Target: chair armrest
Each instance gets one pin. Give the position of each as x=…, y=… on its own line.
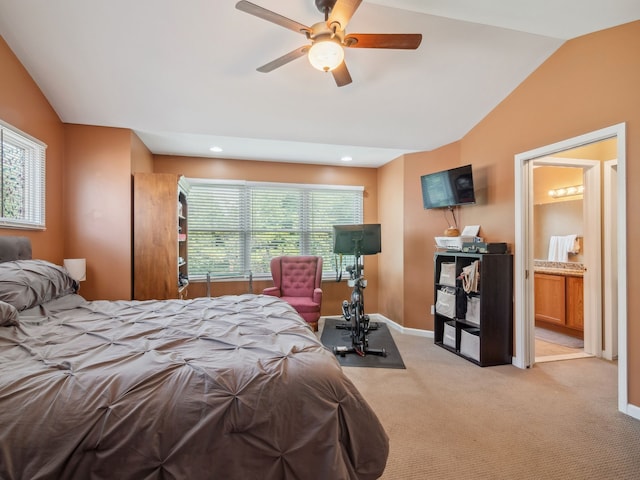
x=273, y=291
x=317, y=295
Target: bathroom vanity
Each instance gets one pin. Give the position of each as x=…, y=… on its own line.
x=559, y=296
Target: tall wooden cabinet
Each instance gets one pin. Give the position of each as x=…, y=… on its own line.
x=477, y=325
x=160, y=236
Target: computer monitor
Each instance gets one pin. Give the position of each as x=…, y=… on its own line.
x=361, y=239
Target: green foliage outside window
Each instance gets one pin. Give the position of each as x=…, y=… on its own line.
x=22, y=179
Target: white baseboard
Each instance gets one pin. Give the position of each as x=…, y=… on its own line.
x=376, y=317
x=633, y=411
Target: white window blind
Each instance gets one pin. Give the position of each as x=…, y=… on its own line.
x=22, y=174
x=237, y=227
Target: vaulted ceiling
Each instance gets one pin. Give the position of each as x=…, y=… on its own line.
x=182, y=74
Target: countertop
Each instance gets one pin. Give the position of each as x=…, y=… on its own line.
x=569, y=269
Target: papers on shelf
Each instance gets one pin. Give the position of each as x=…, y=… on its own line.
x=470, y=231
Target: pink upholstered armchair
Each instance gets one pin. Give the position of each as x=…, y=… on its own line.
x=296, y=280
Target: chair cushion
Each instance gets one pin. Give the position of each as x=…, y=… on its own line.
x=298, y=276
x=302, y=304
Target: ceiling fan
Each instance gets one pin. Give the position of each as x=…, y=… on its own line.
x=328, y=38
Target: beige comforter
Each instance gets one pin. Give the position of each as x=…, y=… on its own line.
x=233, y=387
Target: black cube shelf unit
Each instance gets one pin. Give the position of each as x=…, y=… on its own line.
x=486, y=336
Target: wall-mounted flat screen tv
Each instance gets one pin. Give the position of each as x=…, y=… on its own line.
x=448, y=188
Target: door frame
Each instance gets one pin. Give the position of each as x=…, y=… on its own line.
x=592, y=227
x=523, y=261
x=609, y=253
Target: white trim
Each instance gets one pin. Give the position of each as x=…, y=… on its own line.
x=215, y=181
x=523, y=264
x=623, y=379
x=609, y=253
x=633, y=411
x=377, y=317
x=24, y=134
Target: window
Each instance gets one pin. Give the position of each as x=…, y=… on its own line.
x=22, y=170
x=237, y=227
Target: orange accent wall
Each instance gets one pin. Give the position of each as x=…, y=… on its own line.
x=408, y=293
x=23, y=105
x=391, y=205
x=333, y=294
x=590, y=83
x=98, y=208
x=141, y=157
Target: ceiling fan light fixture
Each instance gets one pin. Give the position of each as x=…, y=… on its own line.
x=326, y=55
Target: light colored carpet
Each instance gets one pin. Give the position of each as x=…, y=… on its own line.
x=450, y=419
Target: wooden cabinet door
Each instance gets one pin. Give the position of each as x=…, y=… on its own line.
x=550, y=298
x=575, y=303
x=155, y=236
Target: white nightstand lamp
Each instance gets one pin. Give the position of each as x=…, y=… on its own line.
x=77, y=268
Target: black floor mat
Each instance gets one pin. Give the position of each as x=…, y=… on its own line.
x=378, y=338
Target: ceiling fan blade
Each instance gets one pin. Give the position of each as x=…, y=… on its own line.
x=409, y=41
x=278, y=62
x=258, y=11
x=342, y=12
x=341, y=75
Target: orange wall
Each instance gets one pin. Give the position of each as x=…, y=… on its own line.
x=588, y=84
x=333, y=294
x=23, y=105
x=408, y=237
x=141, y=157
x=98, y=208
x=391, y=216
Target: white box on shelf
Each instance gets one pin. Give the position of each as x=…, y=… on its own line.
x=449, y=335
x=473, y=310
x=470, y=343
x=446, y=302
x=448, y=273
x=455, y=243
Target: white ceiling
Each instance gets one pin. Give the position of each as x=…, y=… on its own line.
x=182, y=74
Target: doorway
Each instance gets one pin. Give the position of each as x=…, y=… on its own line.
x=524, y=261
x=564, y=220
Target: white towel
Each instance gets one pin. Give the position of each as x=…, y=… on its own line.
x=561, y=246
x=572, y=244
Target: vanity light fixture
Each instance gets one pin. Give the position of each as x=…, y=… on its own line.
x=567, y=191
x=216, y=149
x=346, y=158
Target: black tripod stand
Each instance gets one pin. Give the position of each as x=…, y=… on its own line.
x=356, y=320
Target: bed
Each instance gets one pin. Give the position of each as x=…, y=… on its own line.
x=234, y=387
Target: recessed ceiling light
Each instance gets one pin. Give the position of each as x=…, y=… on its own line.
x=346, y=158
x=216, y=149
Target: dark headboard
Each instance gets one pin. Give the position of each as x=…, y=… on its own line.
x=15, y=248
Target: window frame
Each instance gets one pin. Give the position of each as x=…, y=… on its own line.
x=248, y=231
x=34, y=188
